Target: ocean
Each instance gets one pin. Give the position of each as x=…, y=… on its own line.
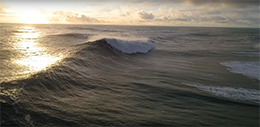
x=101, y=75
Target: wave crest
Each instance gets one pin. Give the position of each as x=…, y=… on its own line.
x=248, y=69
x=131, y=46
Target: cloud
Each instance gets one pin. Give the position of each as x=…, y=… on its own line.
x=54, y=19
x=217, y=16
x=81, y=19
x=194, y=12
x=6, y=14
x=126, y=13
x=224, y=3
x=145, y=15
x=230, y=3
x=2, y=10
x=71, y=17
x=163, y=12
x=209, y=3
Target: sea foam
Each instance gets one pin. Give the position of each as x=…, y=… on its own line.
x=230, y=92
x=131, y=46
x=249, y=69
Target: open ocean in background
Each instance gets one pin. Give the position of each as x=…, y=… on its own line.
x=91, y=75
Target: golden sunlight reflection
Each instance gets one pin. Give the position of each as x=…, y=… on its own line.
x=37, y=63
x=33, y=56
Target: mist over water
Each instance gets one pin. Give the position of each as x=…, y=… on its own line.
x=82, y=75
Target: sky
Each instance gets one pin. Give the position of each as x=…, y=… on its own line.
x=212, y=13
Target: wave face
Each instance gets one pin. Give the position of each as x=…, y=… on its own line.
x=131, y=47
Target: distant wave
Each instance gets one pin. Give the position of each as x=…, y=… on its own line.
x=93, y=29
x=248, y=54
x=250, y=69
x=200, y=34
x=82, y=28
x=75, y=35
x=230, y=92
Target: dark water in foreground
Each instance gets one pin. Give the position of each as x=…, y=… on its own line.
x=72, y=75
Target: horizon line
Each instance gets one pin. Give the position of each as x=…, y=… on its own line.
x=131, y=25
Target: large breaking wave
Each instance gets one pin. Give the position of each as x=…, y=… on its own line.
x=130, y=47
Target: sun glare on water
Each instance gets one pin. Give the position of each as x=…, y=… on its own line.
x=37, y=63
x=33, y=56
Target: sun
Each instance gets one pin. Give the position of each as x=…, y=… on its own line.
x=31, y=16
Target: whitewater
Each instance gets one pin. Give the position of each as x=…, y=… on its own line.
x=91, y=75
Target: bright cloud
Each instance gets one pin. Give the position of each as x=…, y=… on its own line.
x=236, y=13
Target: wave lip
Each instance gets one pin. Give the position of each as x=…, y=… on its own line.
x=230, y=92
x=130, y=47
x=249, y=69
